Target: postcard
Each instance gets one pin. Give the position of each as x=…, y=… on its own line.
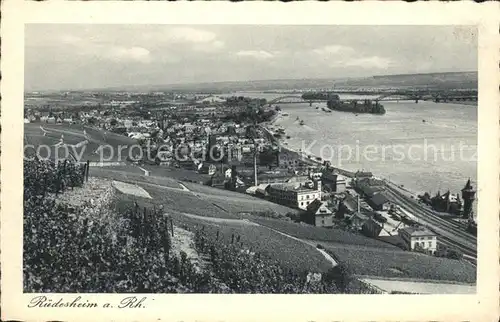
x=217, y=161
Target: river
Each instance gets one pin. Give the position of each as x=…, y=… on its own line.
x=425, y=147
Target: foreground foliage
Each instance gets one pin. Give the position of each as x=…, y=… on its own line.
x=398, y=263
x=97, y=247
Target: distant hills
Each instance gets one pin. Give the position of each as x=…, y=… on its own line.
x=439, y=80
x=434, y=80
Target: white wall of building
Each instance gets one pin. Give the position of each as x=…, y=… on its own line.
x=426, y=242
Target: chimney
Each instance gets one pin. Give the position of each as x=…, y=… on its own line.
x=255, y=168
x=359, y=206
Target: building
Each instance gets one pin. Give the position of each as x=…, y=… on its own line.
x=218, y=180
x=211, y=100
x=278, y=177
x=334, y=182
x=447, y=203
x=348, y=206
x=371, y=228
x=357, y=220
x=298, y=179
x=468, y=195
x=379, y=202
x=419, y=238
x=259, y=191
x=296, y=195
x=363, y=175
x=368, y=187
x=318, y=214
x=205, y=168
x=287, y=159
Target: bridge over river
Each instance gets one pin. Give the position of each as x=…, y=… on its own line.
x=386, y=97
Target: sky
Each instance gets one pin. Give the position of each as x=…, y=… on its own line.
x=82, y=56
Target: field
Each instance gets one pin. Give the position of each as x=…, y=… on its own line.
x=290, y=253
x=402, y=264
x=177, y=173
x=73, y=134
x=199, y=200
x=132, y=174
x=180, y=201
x=237, y=202
x=320, y=234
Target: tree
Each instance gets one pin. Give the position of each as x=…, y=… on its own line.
x=92, y=120
x=454, y=254
x=341, y=275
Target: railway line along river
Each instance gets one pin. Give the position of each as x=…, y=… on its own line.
x=425, y=147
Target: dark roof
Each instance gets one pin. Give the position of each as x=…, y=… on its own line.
x=368, y=190
x=363, y=174
x=329, y=186
x=379, y=199
x=369, y=223
x=315, y=206
x=350, y=202
x=467, y=185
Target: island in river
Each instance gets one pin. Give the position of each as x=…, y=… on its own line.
x=354, y=106
x=366, y=106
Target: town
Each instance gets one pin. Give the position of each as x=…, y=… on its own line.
x=230, y=143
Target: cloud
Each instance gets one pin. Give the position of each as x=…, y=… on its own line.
x=333, y=50
x=210, y=47
x=123, y=54
x=257, y=54
x=347, y=56
x=70, y=39
x=192, y=35
x=369, y=62
x=197, y=39
x=105, y=51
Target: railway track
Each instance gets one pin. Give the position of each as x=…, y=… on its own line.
x=450, y=234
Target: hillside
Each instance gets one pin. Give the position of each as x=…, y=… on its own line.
x=465, y=80
x=440, y=80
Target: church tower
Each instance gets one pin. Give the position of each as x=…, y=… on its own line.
x=468, y=195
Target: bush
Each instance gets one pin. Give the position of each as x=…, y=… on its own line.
x=91, y=248
x=245, y=271
x=454, y=254
x=340, y=275
x=449, y=253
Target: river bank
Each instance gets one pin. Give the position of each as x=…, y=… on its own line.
x=313, y=159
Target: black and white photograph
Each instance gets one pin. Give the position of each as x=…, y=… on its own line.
x=250, y=159
x=205, y=158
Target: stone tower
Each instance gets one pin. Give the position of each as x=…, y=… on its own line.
x=468, y=195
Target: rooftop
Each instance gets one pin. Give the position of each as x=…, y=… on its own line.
x=379, y=199
x=291, y=186
x=418, y=231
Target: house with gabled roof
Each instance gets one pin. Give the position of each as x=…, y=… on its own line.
x=318, y=214
x=379, y=202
